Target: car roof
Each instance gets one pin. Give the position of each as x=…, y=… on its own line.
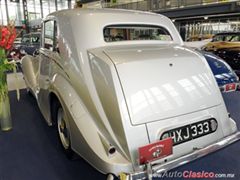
x=88, y=24
x=32, y=33
x=107, y=11
x=227, y=33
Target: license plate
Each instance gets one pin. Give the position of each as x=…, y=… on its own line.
x=155, y=150
x=192, y=131
x=230, y=87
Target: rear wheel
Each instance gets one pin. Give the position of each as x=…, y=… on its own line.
x=62, y=128
x=63, y=131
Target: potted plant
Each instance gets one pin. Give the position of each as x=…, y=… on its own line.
x=7, y=37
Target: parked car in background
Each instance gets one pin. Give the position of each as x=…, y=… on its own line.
x=231, y=56
x=29, y=44
x=226, y=78
x=138, y=106
x=223, y=41
x=226, y=46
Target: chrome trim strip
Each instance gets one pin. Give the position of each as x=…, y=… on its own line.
x=160, y=168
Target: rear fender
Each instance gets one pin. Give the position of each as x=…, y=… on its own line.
x=86, y=139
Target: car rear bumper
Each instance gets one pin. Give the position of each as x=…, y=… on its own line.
x=153, y=168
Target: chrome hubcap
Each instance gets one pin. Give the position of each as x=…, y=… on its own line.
x=62, y=129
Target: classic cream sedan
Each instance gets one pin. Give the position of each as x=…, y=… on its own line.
x=124, y=93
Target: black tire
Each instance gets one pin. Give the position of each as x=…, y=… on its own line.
x=60, y=125
x=29, y=92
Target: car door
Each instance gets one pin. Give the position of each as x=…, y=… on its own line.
x=46, y=53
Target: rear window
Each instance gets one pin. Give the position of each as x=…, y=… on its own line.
x=135, y=32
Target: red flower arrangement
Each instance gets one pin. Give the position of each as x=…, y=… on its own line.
x=7, y=36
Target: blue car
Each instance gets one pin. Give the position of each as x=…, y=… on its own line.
x=226, y=78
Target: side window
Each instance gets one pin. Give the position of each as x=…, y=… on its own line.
x=49, y=35
x=235, y=38
x=218, y=38
x=56, y=45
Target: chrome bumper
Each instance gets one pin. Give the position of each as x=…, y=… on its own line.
x=156, y=168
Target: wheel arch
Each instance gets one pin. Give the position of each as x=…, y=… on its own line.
x=53, y=98
x=85, y=137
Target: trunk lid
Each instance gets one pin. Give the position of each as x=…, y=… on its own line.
x=162, y=82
